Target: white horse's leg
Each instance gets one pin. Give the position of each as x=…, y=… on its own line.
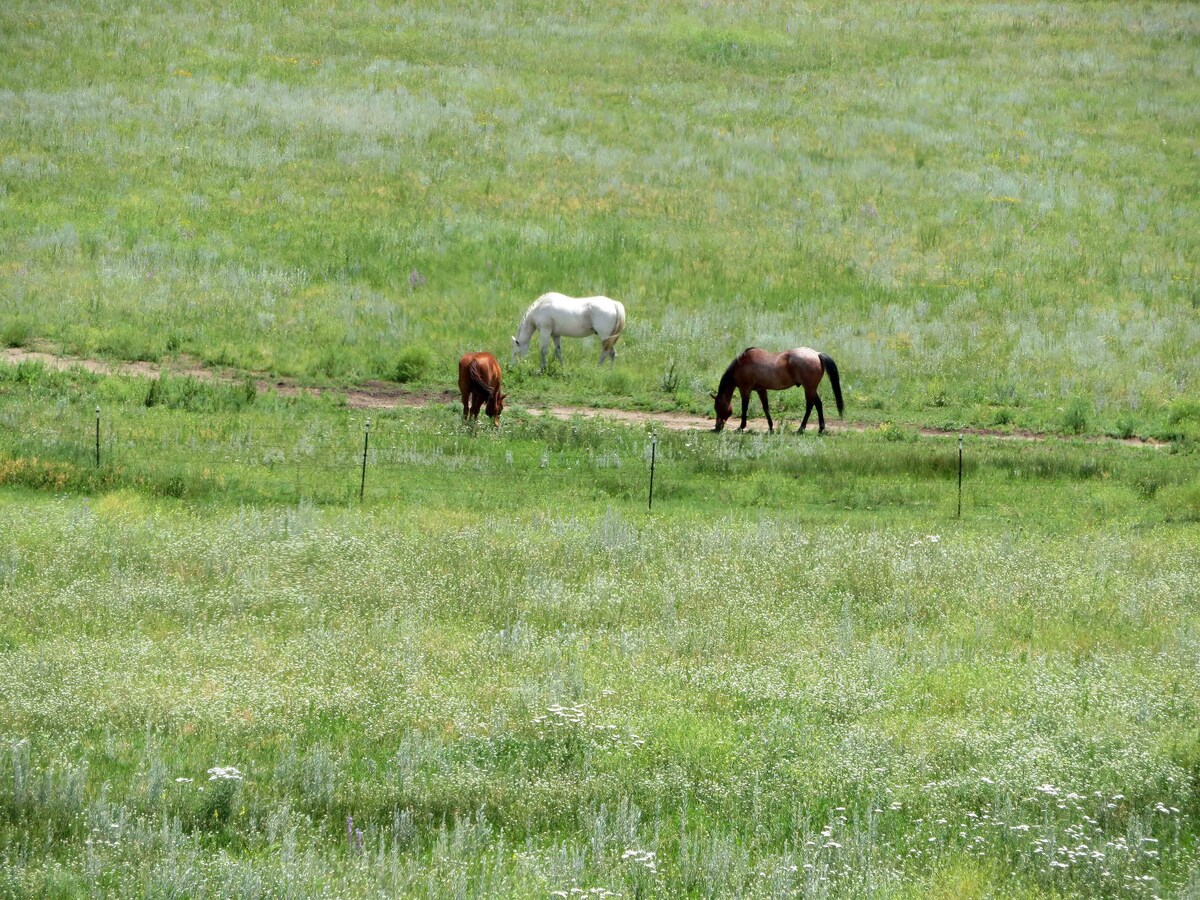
x=545, y=348
x=558, y=348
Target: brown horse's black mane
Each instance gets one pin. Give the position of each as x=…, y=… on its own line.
x=726, y=385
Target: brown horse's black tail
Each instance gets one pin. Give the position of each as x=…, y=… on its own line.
x=831, y=368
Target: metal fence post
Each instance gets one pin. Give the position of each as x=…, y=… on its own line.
x=958, y=515
x=97, y=435
x=653, y=449
x=362, y=487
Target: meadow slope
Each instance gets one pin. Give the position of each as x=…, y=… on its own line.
x=248, y=649
x=986, y=213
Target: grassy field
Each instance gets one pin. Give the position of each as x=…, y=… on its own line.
x=986, y=214
x=498, y=673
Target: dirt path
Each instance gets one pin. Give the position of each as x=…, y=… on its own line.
x=386, y=395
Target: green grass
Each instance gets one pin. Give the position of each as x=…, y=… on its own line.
x=498, y=673
x=981, y=213
x=800, y=673
x=181, y=438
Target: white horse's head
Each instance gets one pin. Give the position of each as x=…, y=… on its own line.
x=519, y=349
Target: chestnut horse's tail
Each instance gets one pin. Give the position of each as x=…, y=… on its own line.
x=611, y=340
x=475, y=373
x=831, y=368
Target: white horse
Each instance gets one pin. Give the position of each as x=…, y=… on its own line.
x=555, y=315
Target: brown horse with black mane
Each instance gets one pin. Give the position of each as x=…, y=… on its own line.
x=758, y=370
x=479, y=382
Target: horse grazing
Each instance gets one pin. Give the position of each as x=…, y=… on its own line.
x=557, y=316
x=758, y=370
x=479, y=382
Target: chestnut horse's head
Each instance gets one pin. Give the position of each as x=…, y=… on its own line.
x=495, y=406
x=723, y=407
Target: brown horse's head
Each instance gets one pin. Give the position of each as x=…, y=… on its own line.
x=495, y=406
x=724, y=409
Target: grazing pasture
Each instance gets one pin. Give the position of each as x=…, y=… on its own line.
x=223, y=674
x=925, y=190
x=497, y=675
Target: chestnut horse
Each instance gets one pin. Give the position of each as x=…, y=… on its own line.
x=479, y=381
x=758, y=370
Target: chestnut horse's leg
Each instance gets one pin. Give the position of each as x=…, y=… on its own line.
x=762, y=395
x=464, y=388
x=476, y=402
x=745, y=406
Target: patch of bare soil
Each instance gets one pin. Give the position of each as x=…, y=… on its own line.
x=386, y=395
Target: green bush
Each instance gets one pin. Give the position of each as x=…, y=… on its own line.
x=1184, y=410
x=1125, y=425
x=412, y=364
x=1075, y=416
x=15, y=333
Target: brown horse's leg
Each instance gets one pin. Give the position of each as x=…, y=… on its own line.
x=762, y=396
x=820, y=413
x=476, y=402
x=808, y=407
x=745, y=407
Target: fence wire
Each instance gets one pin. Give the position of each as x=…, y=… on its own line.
x=323, y=461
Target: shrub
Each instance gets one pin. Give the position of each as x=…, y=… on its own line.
x=1075, y=416
x=15, y=333
x=1125, y=425
x=1184, y=410
x=669, y=382
x=412, y=364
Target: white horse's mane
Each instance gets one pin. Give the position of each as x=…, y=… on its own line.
x=532, y=306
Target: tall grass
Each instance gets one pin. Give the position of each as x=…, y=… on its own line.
x=737, y=704
x=223, y=443
x=964, y=222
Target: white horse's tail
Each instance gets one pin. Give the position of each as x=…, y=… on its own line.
x=611, y=340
